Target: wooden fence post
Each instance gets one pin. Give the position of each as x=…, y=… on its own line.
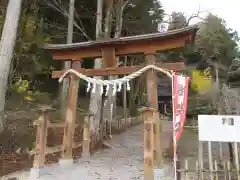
x=41, y=140
x=86, y=136
x=178, y=169
x=186, y=169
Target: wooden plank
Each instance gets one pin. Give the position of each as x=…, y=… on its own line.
x=54, y=124
x=210, y=160
x=216, y=170
x=162, y=45
x=100, y=72
x=86, y=137
x=229, y=170
x=177, y=66
x=49, y=150
x=190, y=30
x=41, y=139
x=60, y=125
x=109, y=57
x=200, y=158
x=236, y=157
x=148, y=150
x=123, y=48
x=225, y=170
x=55, y=149
x=112, y=71
x=186, y=169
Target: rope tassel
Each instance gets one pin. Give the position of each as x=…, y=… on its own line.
x=88, y=87
x=107, y=89
x=114, y=89
x=101, y=90
x=128, y=86
x=119, y=87
x=94, y=88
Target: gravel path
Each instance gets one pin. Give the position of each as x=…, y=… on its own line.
x=124, y=161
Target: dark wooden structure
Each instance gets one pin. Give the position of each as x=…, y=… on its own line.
x=164, y=99
x=147, y=45
x=164, y=94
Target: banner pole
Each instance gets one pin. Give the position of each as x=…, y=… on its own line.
x=174, y=137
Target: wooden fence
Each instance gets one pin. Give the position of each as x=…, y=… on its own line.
x=87, y=142
x=209, y=161
x=192, y=170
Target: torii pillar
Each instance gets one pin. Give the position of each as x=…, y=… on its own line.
x=149, y=116
x=152, y=99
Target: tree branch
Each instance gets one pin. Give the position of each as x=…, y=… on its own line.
x=56, y=5
x=196, y=15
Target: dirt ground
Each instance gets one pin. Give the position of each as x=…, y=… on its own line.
x=124, y=161
x=19, y=134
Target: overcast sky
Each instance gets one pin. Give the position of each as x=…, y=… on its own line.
x=228, y=10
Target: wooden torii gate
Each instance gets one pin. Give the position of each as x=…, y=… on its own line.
x=148, y=45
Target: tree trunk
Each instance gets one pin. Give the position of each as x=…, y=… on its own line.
x=108, y=19
x=111, y=101
x=119, y=17
x=107, y=34
x=67, y=64
x=8, y=39
x=95, y=98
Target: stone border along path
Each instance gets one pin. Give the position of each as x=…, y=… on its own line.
x=124, y=161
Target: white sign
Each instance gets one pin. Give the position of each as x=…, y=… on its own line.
x=219, y=128
x=158, y=174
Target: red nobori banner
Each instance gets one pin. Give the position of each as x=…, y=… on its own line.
x=179, y=103
x=180, y=95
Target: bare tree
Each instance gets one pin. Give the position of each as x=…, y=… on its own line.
x=70, y=14
x=95, y=101
x=118, y=30
x=119, y=16
x=95, y=98
x=58, y=6
x=110, y=105
x=67, y=65
x=8, y=39
x=177, y=20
